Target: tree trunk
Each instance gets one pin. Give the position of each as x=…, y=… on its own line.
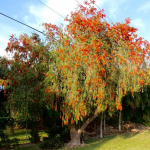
x=76, y=134
x=104, y=123
x=12, y=129
x=120, y=120
x=101, y=124
x=12, y=122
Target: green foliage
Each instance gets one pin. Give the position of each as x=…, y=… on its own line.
x=34, y=138
x=14, y=142
x=3, y=67
x=62, y=132
x=4, y=115
x=52, y=143
x=7, y=142
x=53, y=125
x=136, y=107
x=57, y=135
x=26, y=76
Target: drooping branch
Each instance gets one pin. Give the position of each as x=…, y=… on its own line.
x=88, y=121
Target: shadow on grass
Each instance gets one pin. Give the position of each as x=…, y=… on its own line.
x=20, y=133
x=92, y=144
x=129, y=135
x=126, y=135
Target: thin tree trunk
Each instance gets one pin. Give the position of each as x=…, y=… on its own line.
x=104, y=123
x=120, y=120
x=12, y=129
x=101, y=124
x=12, y=122
x=26, y=132
x=88, y=121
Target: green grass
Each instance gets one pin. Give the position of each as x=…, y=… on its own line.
x=129, y=141
x=21, y=135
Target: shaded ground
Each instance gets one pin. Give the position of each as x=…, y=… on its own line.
x=92, y=132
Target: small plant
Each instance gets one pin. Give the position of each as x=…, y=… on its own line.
x=54, y=142
x=14, y=142
x=5, y=141
x=34, y=138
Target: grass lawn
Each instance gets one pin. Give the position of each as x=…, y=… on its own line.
x=21, y=135
x=129, y=141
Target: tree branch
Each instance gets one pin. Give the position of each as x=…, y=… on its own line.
x=88, y=121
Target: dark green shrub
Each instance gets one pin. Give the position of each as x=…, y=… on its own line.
x=63, y=132
x=45, y=144
x=52, y=143
x=57, y=136
x=5, y=141
x=45, y=138
x=34, y=138
x=14, y=142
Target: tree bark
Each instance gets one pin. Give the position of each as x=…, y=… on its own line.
x=104, y=123
x=101, y=124
x=120, y=120
x=88, y=121
x=12, y=129
x=76, y=134
x=12, y=123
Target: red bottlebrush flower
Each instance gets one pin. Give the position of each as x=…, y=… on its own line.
x=119, y=106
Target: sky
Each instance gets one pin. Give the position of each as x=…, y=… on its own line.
x=33, y=13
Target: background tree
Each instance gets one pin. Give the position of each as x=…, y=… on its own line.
x=136, y=107
x=28, y=66
x=4, y=114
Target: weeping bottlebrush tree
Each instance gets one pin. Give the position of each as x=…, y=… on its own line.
x=95, y=64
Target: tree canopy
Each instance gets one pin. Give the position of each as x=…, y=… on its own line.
x=95, y=63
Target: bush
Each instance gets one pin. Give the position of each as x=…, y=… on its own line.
x=65, y=134
x=6, y=142
x=57, y=136
x=14, y=142
x=54, y=142
x=34, y=138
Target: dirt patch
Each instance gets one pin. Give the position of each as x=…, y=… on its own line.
x=128, y=126
x=30, y=145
